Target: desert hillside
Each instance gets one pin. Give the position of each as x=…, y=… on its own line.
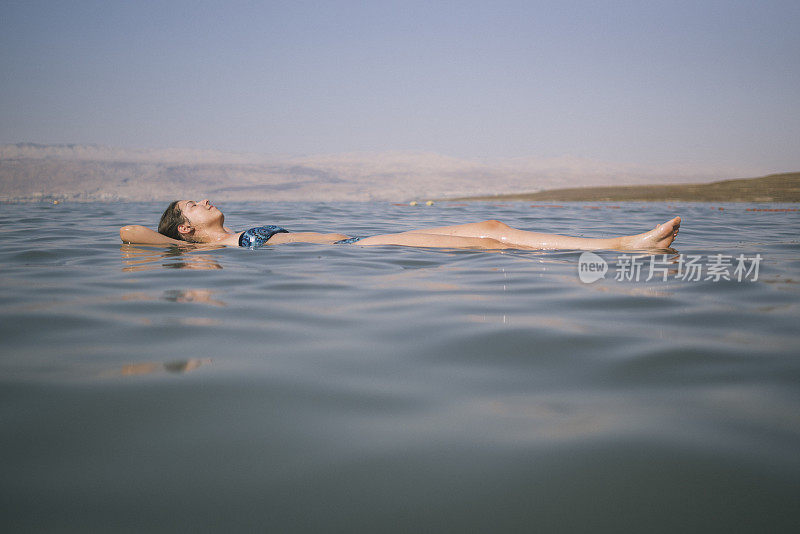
x=773, y=188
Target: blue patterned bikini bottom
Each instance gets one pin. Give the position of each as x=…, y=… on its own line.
x=347, y=241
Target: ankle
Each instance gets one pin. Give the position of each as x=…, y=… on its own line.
x=623, y=243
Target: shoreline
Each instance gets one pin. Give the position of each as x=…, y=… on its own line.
x=784, y=187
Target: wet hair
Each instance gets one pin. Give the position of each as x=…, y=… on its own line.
x=170, y=220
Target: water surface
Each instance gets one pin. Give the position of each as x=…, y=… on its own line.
x=359, y=389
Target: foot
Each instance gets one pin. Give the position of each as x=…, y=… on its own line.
x=660, y=237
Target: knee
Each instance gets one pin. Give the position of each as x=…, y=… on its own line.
x=494, y=225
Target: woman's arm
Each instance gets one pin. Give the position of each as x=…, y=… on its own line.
x=134, y=233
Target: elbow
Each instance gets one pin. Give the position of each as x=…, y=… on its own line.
x=128, y=233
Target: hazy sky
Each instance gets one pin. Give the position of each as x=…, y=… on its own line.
x=713, y=83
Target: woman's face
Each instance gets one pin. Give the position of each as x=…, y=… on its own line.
x=200, y=214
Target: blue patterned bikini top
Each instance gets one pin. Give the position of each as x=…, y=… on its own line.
x=257, y=237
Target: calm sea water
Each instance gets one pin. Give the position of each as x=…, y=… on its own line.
x=353, y=389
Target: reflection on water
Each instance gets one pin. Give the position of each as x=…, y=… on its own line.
x=197, y=296
x=181, y=296
x=142, y=258
x=178, y=366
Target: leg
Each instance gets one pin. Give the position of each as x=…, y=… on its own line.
x=414, y=239
x=660, y=237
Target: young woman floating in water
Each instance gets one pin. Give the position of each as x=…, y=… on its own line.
x=201, y=222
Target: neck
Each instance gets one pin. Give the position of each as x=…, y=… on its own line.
x=212, y=235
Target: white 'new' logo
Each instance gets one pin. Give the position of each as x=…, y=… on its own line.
x=591, y=267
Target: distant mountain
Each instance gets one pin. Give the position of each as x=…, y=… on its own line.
x=30, y=171
x=773, y=188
